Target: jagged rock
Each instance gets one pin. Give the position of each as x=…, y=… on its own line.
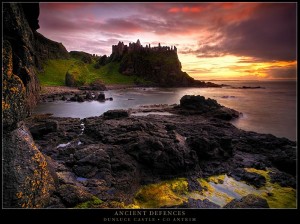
x=197, y=203
x=101, y=96
x=193, y=185
x=24, y=49
x=254, y=179
x=211, y=148
x=39, y=130
x=198, y=103
x=48, y=49
x=193, y=105
x=98, y=85
x=283, y=179
x=112, y=114
x=123, y=154
x=249, y=201
x=27, y=181
x=226, y=114
x=72, y=195
x=89, y=96
x=77, y=98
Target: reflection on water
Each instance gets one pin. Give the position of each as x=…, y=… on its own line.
x=268, y=110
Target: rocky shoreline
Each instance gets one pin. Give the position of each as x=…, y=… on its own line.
x=110, y=157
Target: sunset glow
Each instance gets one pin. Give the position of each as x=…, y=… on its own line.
x=214, y=40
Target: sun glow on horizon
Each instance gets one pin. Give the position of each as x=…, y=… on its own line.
x=231, y=67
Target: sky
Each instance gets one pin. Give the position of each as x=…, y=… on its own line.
x=214, y=40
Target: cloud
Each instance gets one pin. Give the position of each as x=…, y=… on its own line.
x=254, y=32
x=289, y=72
x=269, y=34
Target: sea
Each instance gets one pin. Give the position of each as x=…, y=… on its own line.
x=271, y=109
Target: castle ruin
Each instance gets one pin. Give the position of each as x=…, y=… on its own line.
x=121, y=48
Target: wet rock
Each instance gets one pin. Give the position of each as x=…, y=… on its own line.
x=25, y=171
x=249, y=201
x=283, y=179
x=198, y=103
x=197, y=203
x=286, y=160
x=72, y=195
x=226, y=114
x=251, y=178
x=77, y=98
x=207, y=148
x=80, y=99
x=98, y=85
x=89, y=96
x=118, y=155
x=39, y=130
x=101, y=97
x=193, y=185
x=113, y=114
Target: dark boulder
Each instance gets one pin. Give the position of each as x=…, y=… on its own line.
x=95, y=85
x=162, y=156
x=27, y=182
x=112, y=114
x=101, y=97
x=39, y=130
x=249, y=201
x=98, y=85
x=226, y=114
x=286, y=160
x=80, y=99
x=198, y=103
x=283, y=179
x=193, y=185
x=89, y=96
x=77, y=98
x=72, y=195
x=210, y=148
x=251, y=178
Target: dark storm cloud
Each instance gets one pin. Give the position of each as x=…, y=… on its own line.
x=269, y=34
x=288, y=72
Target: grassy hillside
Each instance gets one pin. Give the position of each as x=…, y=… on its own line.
x=55, y=72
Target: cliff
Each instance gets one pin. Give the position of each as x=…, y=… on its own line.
x=26, y=178
x=48, y=49
x=24, y=50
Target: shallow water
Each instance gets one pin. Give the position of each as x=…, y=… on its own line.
x=266, y=110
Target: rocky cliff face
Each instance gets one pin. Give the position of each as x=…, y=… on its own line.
x=20, y=83
x=162, y=67
x=24, y=49
x=26, y=177
x=48, y=49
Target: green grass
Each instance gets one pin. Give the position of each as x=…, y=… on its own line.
x=110, y=74
x=55, y=72
x=80, y=72
x=94, y=203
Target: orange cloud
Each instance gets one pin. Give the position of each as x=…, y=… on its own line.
x=185, y=9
